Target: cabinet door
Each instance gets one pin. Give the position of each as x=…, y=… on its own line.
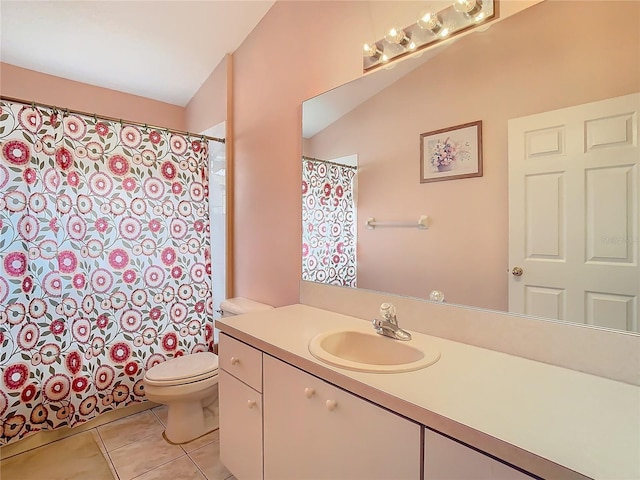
x=240, y=427
x=446, y=459
x=314, y=430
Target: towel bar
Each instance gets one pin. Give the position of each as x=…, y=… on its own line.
x=422, y=224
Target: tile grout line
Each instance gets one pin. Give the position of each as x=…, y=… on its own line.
x=129, y=442
x=197, y=466
x=113, y=467
x=165, y=463
x=158, y=416
x=194, y=462
x=157, y=466
x=184, y=453
x=132, y=442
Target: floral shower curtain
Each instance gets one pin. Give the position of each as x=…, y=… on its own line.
x=104, y=263
x=328, y=223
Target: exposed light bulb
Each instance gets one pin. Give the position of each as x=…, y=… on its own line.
x=429, y=21
x=397, y=36
x=467, y=7
x=436, y=296
x=372, y=50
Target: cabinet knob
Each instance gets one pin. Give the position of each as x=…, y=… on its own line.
x=235, y=360
x=309, y=392
x=251, y=403
x=331, y=405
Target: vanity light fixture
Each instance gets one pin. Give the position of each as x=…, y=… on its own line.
x=431, y=28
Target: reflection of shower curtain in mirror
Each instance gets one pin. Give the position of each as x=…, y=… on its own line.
x=328, y=223
x=104, y=263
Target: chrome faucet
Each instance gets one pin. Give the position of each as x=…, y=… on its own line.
x=388, y=326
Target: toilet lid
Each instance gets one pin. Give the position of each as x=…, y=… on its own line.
x=188, y=368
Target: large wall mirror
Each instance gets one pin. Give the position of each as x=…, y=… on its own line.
x=362, y=159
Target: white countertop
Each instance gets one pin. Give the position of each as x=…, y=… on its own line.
x=547, y=420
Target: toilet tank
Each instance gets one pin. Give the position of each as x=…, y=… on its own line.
x=240, y=305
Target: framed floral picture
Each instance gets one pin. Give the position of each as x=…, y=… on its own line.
x=451, y=153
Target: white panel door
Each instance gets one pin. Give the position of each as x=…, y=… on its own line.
x=573, y=213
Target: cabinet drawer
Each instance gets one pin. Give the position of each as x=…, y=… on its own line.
x=241, y=361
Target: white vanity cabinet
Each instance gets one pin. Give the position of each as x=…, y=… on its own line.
x=446, y=459
x=278, y=422
x=240, y=397
x=453, y=419
x=313, y=429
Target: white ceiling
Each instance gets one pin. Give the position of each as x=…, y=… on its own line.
x=163, y=50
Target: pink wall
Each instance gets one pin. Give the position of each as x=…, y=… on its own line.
x=34, y=86
x=208, y=107
x=542, y=59
x=298, y=50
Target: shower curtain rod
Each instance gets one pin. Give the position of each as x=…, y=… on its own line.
x=311, y=159
x=104, y=117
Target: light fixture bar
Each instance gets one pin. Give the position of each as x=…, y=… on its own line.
x=431, y=28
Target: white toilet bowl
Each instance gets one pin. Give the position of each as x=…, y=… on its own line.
x=187, y=385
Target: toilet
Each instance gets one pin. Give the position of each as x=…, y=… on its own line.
x=188, y=385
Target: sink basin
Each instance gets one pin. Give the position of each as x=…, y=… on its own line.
x=370, y=352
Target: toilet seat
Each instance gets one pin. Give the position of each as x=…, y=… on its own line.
x=186, y=369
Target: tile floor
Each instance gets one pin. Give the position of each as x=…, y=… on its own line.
x=126, y=449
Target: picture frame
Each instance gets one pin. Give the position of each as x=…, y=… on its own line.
x=451, y=153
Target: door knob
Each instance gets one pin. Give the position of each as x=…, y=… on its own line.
x=517, y=272
x=251, y=403
x=309, y=392
x=235, y=360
